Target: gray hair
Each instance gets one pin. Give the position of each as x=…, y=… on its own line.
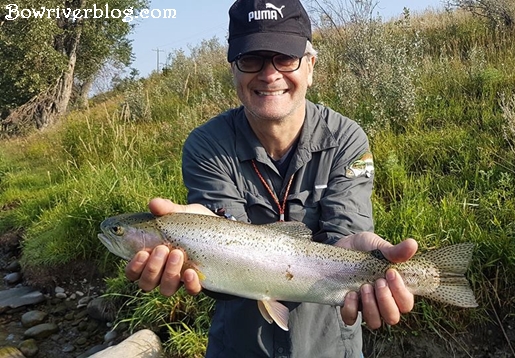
x=310, y=50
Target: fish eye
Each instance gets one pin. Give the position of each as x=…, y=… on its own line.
x=117, y=230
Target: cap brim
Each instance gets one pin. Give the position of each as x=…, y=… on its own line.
x=286, y=44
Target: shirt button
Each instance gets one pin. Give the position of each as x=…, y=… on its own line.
x=280, y=350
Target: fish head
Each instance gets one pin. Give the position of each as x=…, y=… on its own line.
x=124, y=235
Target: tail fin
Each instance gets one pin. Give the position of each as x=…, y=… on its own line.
x=452, y=261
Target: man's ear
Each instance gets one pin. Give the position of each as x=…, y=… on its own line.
x=311, y=60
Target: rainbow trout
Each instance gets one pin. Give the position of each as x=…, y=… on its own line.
x=278, y=262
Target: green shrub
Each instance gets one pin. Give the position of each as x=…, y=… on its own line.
x=369, y=72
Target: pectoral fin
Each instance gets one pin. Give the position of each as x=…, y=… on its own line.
x=273, y=311
x=191, y=265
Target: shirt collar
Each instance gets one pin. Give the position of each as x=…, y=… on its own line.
x=315, y=136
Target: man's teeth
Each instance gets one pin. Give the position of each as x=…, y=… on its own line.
x=271, y=93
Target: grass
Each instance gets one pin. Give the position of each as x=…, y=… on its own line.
x=440, y=121
x=181, y=320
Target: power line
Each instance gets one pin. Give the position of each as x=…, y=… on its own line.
x=157, y=50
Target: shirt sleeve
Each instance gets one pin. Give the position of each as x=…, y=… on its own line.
x=208, y=173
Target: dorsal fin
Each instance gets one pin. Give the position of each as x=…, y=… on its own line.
x=295, y=229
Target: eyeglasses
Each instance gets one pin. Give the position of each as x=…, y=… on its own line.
x=255, y=63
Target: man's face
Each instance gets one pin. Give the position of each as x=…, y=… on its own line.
x=273, y=95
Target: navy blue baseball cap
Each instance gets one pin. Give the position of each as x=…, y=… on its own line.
x=281, y=26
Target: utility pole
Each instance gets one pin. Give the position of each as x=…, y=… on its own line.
x=157, y=63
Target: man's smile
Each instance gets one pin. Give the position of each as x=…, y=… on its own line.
x=270, y=93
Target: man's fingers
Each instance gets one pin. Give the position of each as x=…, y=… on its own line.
x=371, y=314
x=135, y=267
x=386, y=303
x=403, y=298
x=349, y=311
x=160, y=206
x=388, y=298
x=191, y=282
x=401, y=252
x=162, y=268
x=151, y=275
x=171, y=277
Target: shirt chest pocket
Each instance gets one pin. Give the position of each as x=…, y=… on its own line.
x=259, y=209
x=305, y=207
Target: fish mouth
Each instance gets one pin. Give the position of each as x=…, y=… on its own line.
x=112, y=247
x=105, y=240
x=107, y=243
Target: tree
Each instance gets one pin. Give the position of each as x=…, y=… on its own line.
x=43, y=56
x=109, y=43
x=497, y=11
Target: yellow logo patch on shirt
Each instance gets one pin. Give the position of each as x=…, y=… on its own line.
x=364, y=166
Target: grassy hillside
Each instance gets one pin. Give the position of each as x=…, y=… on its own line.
x=436, y=94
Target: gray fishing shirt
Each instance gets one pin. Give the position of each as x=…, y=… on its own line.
x=330, y=193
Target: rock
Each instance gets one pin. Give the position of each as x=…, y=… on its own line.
x=83, y=325
x=142, y=344
x=79, y=293
x=59, y=290
x=101, y=310
x=81, y=341
x=13, y=278
x=29, y=348
x=60, y=295
x=93, y=350
x=92, y=326
x=110, y=336
x=33, y=318
x=41, y=331
x=81, y=314
x=13, y=266
x=83, y=302
x=10, y=352
x=17, y=297
x=68, y=348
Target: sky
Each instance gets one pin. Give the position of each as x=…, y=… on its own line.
x=204, y=19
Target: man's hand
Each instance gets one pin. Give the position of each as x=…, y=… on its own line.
x=162, y=267
x=387, y=298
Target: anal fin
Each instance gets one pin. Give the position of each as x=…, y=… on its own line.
x=264, y=312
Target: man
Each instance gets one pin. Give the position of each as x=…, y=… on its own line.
x=281, y=157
